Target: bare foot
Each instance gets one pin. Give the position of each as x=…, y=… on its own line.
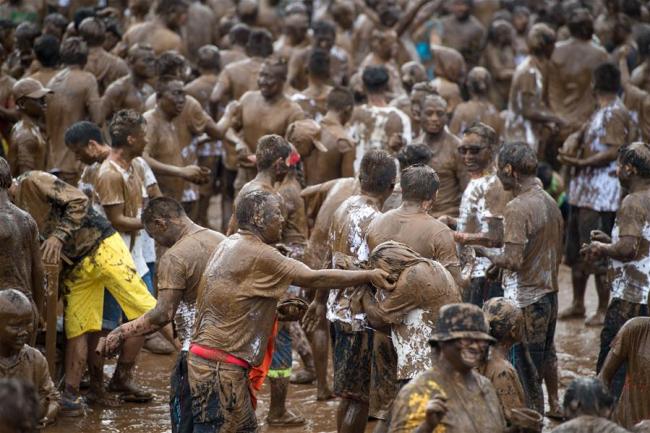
x=598, y=319
x=101, y=397
x=555, y=411
x=287, y=419
x=325, y=394
x=303, y=377
x=573, y=312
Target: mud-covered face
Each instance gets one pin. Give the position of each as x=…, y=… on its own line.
x=475, y=154
x=460, y=9
x=172, y=100
x=15, y=328
x=144, y=64
x=270, y=82
x=465, y=353
x=384, y=44
x=270, y=221
x=297, y=26
x=138, y=141
x=433, y=116
x=506, y=175
x=624, y=173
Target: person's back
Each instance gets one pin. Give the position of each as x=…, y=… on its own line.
x=242, y=76
x=153, y=33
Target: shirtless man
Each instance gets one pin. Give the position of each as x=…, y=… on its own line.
x=179, y=272
x=462, y=32
x=376, y=125
x=530, y=259
x=528, y=113
x=131, y=91
x=238, y=37
x=446, y=160
x=411, y=73
x=162, y=32
x=383, y=49
x=47, y=53
x=450, y=69
x=296, y=25
x=626, y=253
x=478, y=108
x=105, y=66
x=75, y=97
x=313, y=100
x=225, y=347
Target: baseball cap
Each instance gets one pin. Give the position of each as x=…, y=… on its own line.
x=30, y=88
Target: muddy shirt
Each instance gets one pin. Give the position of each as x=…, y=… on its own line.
x=483, y=202
x=412, y=310
x=467, y=113
x=29, y=143
x=532, y=219
x=506, y=383
x=633, y=344
x=469, y=410
x=105, y=66
x=122, y=94
x=62, y=211
x=244, y=280
x=347, y=236
x=589, y=424
x=19, y=240
x=75, y=98
x=337, y=162
x=421, y=232
x=155, y=34
x=598, y=188
x=181, y=268
x=451, y=171
x=637, y=101
x=631, y=279
x=31, y=366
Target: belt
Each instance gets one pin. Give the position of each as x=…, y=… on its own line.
x=213, y=354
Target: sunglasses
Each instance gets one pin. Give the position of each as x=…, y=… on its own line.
x=472, y=150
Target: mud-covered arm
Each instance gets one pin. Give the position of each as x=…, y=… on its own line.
x=73, y=202
x=374, y=314
x=510, y=257
x=326, y=279
x=38, y=278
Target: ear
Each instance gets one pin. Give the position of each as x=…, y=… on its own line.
x=507, y=169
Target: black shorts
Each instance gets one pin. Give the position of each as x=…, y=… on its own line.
x=581, y=222
x=383, y=380
x=180, y=397
x=352, y=362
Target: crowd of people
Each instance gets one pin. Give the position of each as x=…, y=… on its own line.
x=386, y=188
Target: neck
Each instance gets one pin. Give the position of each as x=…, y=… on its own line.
x=639, y=184
x=267, y=177
x=434, y=137
x=604, y=99
x=273, y=98
x=451, y=371
x=4, y=197
x=412, y=207
x=165, y=115
x=524, y=184
x=333, y=116
x=377, y=99
x=122, y=157
x=187, y=226
x=480, y=172
x=374, y=199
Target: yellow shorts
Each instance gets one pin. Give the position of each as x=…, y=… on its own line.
x=110, y=266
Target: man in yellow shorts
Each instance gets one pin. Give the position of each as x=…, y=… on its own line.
x=94, y=257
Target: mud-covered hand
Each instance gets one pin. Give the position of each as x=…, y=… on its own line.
x=314, y=316
x=381, y=279
x=600, y=236
x=593, y=250
x=195, y=174
x=111, y=344
x=51, y=250
x=436, y=410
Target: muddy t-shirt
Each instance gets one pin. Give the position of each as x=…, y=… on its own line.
x=29, y=146
x=631, y=279
x=468, y=410
x=412, y=310
x=295, y=229
x=632, y=343
x=589, y=424
x=532, y=219
x=483, y=202
x=181, y=268
x=598, y=188
x=421, y=232
x=348, y=237
x=244, y=280
x=506, y=383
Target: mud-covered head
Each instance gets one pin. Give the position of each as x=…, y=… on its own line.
x=501, y=32
x=318, y=66
x=19, y=406
x=74, y=52
x=93, y=31
x=420, y=185
x=433, y=114
x=46, y=51
x=127, y=131
x=417, y=94
x=412, y=154
x=515, y=161
x=341, y=101
x=633, y=162
x=478, y=146
x=581, y=24
x=260, y=212
x=55, y=24
x=324, y=34
x=170, y=97
x=5, y=175
x=271, y=77
x=296, y=26
x=449, y=63
x=16, y=321
x=305, y=136
x=272, y=154
x=209, y=59
x=412, y=73
x=85, y=140
x=173, y=12
x=394, y=257
x=587, y=396
x=239, y=34
x=383, y=43
x=164, y=219
x=142, y=61
x=260, y=43
x=541, y=40
x=478, y=81
x=504, y=318
x=377, y=173
x=170, y=65
x=375, y=79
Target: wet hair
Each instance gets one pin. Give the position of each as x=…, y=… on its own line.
x=56, y=20
x=74, y=51
x=643, y=42
x=540, y=36
x=170, y=64
x=502, y=316
x=478, y=81
x=260, y=43
x=93, y=31
x=27, y=31
x=587, y=396
x=377, y=172
x=269, y=149
x=165, y=208
x=113, y=26
x=46, y=50
x=250, y=206
x=209, y=58
x=79, y=134
x=164, y=83
x=485, y=132
x=81, y=14
x=545, y=174
x=166, y=7
x=414, y=154
x=375, y=78
x=278, y=66
x=434, y=97
x=638, y=156
x=239, y=34
x=419, y=183
x=5, y=174
x=340, y=99
x=132, y=54
x=607, y=78
x=520, y=156
x=323, y=28
x=14, y=301
x=125, y=123
x=319, y=64
x=581, y=24
x=19, y=405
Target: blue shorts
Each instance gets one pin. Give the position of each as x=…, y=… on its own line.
x=282, y=357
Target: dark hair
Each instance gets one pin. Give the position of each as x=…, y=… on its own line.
x=375, y=78
x=487, y=134
x=5, y=174
x=164, y=83
x=166, y=7
x=251, y=204
x=377, y=172
x=478, y=81
x=161, y=207
x=419, y=183
x=643, y=42
x=545, y=174
x=638, y=156
x=581, y=24
x=339, y=99
x=278, y=66
x=587, y=396
x=430, y=98
x=57, y=20
x=607, y=78
x=414, y=154
x=80, y=133
x=124, y=124
x=260, y=43
x=81, y=14
x=93, y=31
x=520, y=156
x=323, y=28
x=113, y=26
x=319, y=64
x=239, y=34
x=19, y=405
x=209, y=58
x=46, y=50
x=631, y=8
x=269, y=149
x=74, y=51
x=28, y=31
x=170, y=64
x=7, y=25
